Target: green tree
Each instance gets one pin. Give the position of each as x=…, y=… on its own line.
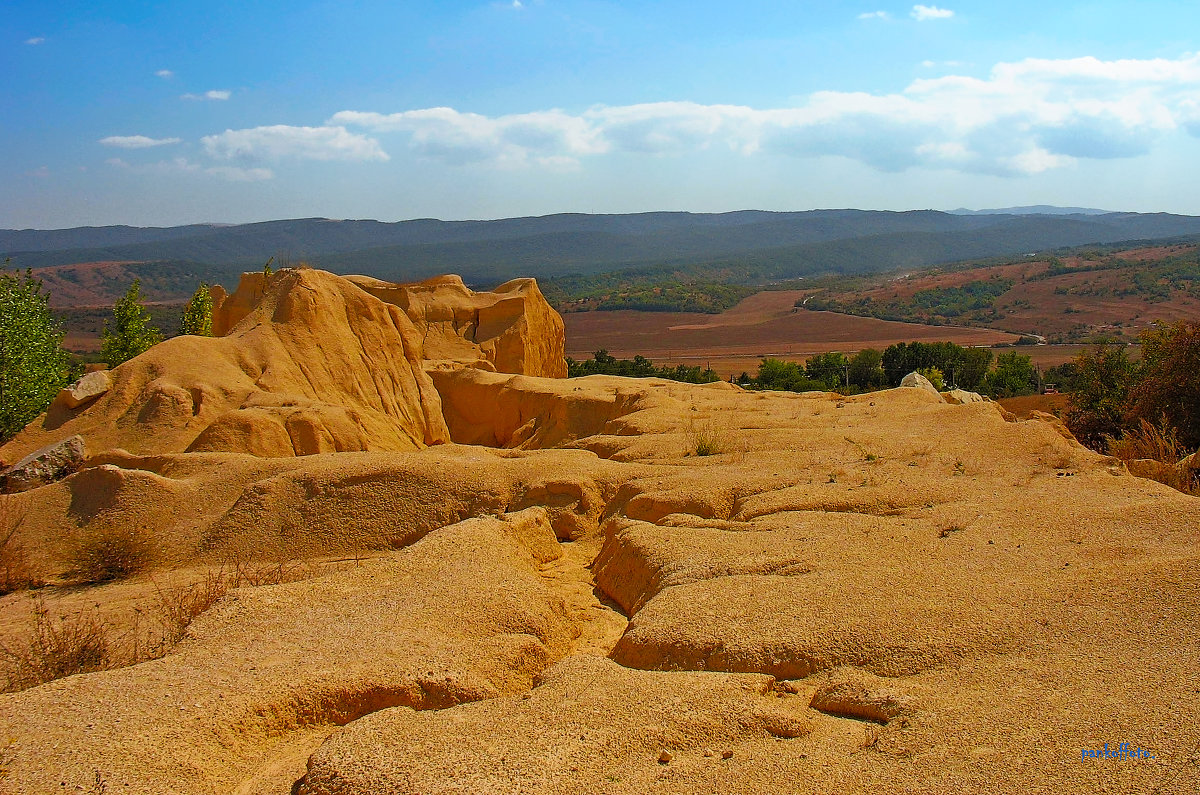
x=828, y=368
x=866, y=370
x=1098, y=399
x=197, y=315
x=131, y=333
x=33, y=365
x=971, y=368
x=1168, y=387
x=1014, y=375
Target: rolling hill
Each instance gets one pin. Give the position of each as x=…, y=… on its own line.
x=746, y=247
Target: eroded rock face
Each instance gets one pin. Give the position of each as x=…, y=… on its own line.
x=309, y=363
x=511, y=329
x=47, y=465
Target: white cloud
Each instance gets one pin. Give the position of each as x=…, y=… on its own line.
x=165, y=74
x=235, y=174
x=281, y=140
x=517, y=4
x=36, y=40
x=924, y=13
x=217, y=95
x=1025, y=117
x=136, y=141
x=874, y=15
x=181, y=165
x=447, y=134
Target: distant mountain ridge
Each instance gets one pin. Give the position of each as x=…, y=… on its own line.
x=1033, y=209
x=749, y=246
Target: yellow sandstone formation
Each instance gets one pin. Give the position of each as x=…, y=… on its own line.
x=517, y=583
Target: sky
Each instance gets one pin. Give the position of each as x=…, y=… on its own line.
x=164, y=113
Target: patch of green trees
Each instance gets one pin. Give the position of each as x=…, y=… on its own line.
x=604, y=363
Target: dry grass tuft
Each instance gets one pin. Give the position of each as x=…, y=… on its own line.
x=109, y=555
x=16, y=572
x=1160, y=444
x=705, y=439
x=56, y=648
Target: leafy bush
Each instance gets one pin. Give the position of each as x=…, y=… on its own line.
x=197, y=314
x=33, y=365
x=1096, y=406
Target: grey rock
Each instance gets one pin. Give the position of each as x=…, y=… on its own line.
x=87, y=388
x=52, y=463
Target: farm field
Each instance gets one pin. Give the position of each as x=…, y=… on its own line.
x=765, y=324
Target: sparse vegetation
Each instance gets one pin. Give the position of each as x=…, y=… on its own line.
x=109, y=554
x=16, y=571
x=56, y=648
x=705, y=439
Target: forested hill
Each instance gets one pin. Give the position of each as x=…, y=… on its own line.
x=740, y=247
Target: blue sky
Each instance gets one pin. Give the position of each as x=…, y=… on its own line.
x=166, y=113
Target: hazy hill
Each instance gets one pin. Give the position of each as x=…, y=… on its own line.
x=741, y=247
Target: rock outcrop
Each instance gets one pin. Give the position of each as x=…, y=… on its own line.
x=511, y=329
x=313, y=365
x=887, y=592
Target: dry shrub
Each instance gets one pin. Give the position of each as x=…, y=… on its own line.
x=176, y=608
x=109, y=554
x=71, y=645
x=1159, y=443
x=16, y=572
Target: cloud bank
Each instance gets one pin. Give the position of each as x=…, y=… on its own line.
x=1025, y=117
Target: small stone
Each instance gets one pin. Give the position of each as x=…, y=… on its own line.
x=664, y=757
x=708, y=752
x=727, y=754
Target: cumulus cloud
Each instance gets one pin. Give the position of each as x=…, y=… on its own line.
x=924, y=13
x=1025, y=117
x=284, y=141
x=136, y=141
x=165, y=74
x=873, y=15
x=216, y=95
x=36, y=40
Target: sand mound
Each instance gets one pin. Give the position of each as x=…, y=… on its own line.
x=809, y=593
